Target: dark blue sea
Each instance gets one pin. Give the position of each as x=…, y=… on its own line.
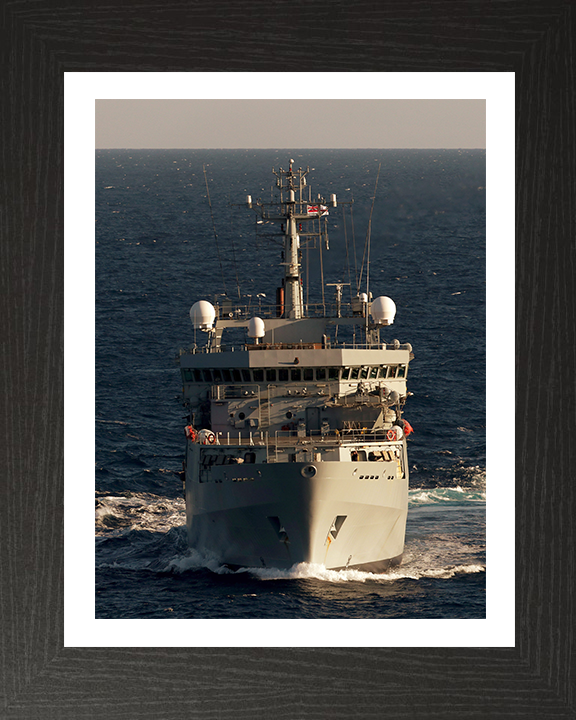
x=158, y=251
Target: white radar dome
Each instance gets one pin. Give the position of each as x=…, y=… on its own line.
x=202, y=314
x=383, y=310
x=256, y=327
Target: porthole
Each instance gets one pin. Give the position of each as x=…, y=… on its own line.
x=241, y=415
x=289, y=415
x=308, y=471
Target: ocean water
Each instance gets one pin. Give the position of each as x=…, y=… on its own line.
x=158, y=251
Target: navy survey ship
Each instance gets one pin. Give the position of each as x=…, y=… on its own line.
x=296, y=445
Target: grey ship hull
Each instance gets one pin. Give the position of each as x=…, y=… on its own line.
x=348, y=515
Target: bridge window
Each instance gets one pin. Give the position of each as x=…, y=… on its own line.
x=308, y=374
x=401, y=371
x=373, y=373
x=198, y=375
x=227, y=375
x=392, y=371
x=258, y=374
x=246, y=377
x=217, y=375
x=236, y=375
x=283, y=374
x=271, y=375
x=207, y=375
x=382, y=372
x=187, y=375
x=333, y=373
x=354, y=372
x=296, y=374
x=364, y=373
x=320, y=373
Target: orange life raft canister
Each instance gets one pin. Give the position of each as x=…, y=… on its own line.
x=407, y=428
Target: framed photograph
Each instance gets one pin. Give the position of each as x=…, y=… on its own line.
x=59, y=657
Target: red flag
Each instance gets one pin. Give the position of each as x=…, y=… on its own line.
x=317, y=210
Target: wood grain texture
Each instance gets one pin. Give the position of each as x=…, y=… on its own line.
x=40, y=40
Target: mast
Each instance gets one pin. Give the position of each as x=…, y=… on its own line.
x=293, y=286
x=294, y=210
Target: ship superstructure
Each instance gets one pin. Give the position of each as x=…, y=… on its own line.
x=296, y=445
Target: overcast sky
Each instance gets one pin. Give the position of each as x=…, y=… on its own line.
x=290, y=124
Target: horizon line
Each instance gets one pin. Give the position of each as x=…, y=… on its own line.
x=292, y=149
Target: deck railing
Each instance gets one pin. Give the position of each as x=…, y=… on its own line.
x=232, y=311
x=292, y=438
x=281, y=443
x=331, y=345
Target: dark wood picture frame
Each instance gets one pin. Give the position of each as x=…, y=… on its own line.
x=41, y=40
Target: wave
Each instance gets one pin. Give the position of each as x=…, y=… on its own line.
x=117, y=514
x=320, y=572
x=444, y=496
x=195, y=560
x=448, y=471
x=312, y=571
